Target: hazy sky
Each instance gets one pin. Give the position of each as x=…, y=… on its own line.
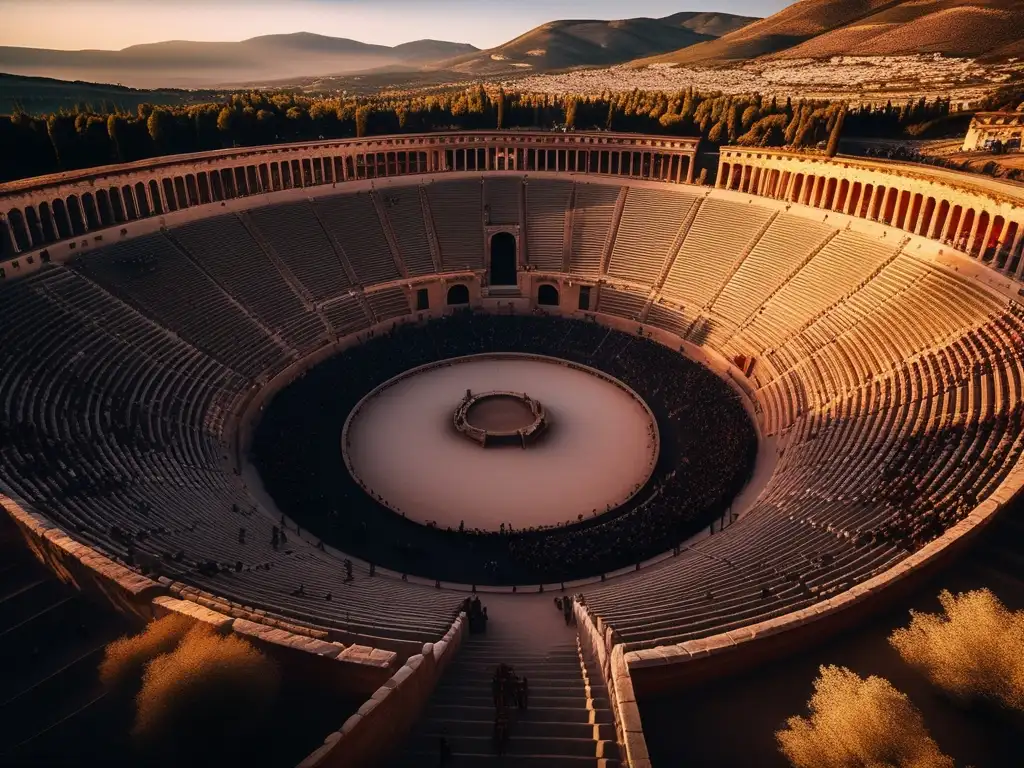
x=111, y=24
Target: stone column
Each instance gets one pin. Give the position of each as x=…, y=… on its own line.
x=10, y=234
x=745, y=175
x=1015, y=248
x=872, y=203
x=691, y=161
x=852, y=198
x=947, y=230
x=975, y=225
x=53, y=219
x=988, y=236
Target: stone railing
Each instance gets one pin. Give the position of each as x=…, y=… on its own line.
x=596, y=641
x=381, y=725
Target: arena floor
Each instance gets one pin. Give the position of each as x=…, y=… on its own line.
x=600, y=448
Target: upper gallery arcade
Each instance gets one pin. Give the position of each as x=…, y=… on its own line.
x=52, y=217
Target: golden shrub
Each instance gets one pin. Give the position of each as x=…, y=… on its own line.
x=972, y=650
x=126, y=658
x=202, y=699
x=859, y=723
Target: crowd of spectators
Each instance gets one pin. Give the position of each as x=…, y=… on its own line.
x=708, y=446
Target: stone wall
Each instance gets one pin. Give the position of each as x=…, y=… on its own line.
x=383, y=722
x=81, y=566
x=356, y=670
x=596, y=641
x=304, y=651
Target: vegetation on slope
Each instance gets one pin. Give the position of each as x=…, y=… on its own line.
x=856, y=722
x=972, y=650
x=76, y=139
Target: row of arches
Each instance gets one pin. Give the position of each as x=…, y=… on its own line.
x=98, y=206
x=652, y=165
x=975, y=231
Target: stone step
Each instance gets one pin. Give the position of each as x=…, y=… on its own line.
x=439, y=712
x=455, y=728
x=518, y=744
x=537, y=699
x=540, y=673
x=489, y=758
x=483, y=688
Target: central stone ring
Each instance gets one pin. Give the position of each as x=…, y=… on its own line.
x=500, y=418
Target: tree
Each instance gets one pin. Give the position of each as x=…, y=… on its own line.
x=362, y=121
x=125, y=659
x=501, y=108
x=161, y=129
x=859, y=723
x=832, y=149
x=203, y=698
x=972, y=650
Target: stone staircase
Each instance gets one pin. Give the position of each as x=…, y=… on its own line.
x=568, y=723
x=53, y=709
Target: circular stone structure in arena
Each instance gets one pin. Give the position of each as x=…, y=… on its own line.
x=501, y=418
x=399, y=444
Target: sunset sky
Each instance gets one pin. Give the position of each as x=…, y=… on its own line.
x=113, y=24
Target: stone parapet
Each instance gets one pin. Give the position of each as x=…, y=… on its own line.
x=598, y=646
x=82, y=566
x=381, y=724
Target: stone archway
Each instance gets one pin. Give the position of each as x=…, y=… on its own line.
x=547, y=295
x=458, y=294
x=503, y=259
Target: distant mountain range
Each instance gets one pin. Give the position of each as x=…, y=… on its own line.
x=566, y=44
x=988, y=29
x=184, y=64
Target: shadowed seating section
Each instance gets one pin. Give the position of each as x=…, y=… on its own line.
x=298, y=239
x=156, y=277
x=224, y=249
x=501, y=196
x=895, y=383
x=112, y=426
x=405, y=212
x=457, y=209
x=388, y=304
x=353, y=223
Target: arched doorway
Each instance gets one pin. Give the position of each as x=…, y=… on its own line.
x=458, y=294
x=503, y=259
x=547, y=296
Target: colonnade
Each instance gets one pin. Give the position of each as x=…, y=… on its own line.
x=36, y=213
x=986, y=223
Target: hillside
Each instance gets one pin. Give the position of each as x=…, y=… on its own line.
x=42, y=95
x=185, y=64
x=826, y=28
x=589, y=42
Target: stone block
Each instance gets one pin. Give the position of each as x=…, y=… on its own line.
x=166, y=605
x=636, y=747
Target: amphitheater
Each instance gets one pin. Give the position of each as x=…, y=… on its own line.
x=869, y=316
